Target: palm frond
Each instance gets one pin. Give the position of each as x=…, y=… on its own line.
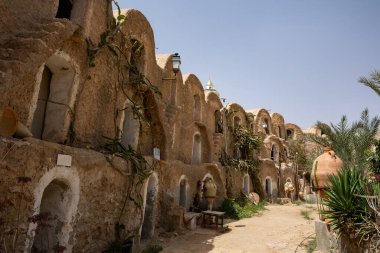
x=373, y=82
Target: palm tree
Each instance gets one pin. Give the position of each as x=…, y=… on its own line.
x=364, y=137
x=349, y=142
x=373, y=82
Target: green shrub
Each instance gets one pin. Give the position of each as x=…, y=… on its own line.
x=306, y=214
x=240, y=209
x=347, y=214
x=311, y=245
x=153, y=249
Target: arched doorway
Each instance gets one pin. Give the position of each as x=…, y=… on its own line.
x=147, y=230
x=64, y=9
x=268, y=187
x=54, y=96
x=273, y=153
x=246, y=185
x=266, y=126
x=55, y=204
x=218, y=122
x=183, y=193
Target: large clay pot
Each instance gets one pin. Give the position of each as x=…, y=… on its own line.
x=210, y=189
x=210, y=192
x=326, y=164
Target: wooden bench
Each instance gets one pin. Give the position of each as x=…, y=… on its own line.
x=207, y=216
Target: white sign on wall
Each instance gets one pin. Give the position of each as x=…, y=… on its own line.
x=64, y=160
x=156, y=153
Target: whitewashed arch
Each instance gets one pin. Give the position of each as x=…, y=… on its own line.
x=184, y=193
x=70, y=177
x=53, y=124
x=207, y=175
x=150, y=188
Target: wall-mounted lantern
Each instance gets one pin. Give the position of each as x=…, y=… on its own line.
x=176, y=60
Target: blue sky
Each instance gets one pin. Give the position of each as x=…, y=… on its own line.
x=299, y=58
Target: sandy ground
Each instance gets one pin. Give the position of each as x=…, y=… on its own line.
x=281, y=228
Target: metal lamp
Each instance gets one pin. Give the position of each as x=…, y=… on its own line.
x=176, y=60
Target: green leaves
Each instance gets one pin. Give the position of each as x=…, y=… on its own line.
x=374, y=158
x=240, y=208
x=347, y=214
x=349, y=142
x=373, y=82
x=246, y=140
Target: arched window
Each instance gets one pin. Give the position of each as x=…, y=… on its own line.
x=266, y=125
x=56, y=95
x=273, y=153
x=289, y=134
x=197, y=149
x=64, y=9
x=279, y=132
x=237, y=121
x=197, y=108
x=43, y=97
x=218, y=122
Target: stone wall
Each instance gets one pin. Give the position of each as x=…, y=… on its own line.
x=90, y=95
x=96, y=186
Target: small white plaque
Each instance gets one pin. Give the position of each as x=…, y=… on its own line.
x=64, y=160
x=156, y=153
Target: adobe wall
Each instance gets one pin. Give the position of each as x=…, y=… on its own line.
x=181, y=123
x=269, y=170
x=97, y=185
x=170, y=175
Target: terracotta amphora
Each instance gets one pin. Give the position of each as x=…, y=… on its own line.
x=210, y=192
x=326, y=164
x=210, y=189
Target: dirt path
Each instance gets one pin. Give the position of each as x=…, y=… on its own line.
x=279, y=229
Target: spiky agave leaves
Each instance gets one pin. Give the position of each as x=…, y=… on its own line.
x=348, y=214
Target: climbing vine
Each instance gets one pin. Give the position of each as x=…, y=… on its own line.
x=246, y=144
x=126, y=53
